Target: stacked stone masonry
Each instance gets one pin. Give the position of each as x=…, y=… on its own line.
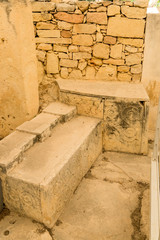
x=90, y=40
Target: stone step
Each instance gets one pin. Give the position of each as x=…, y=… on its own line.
x=41, y=185
x=39, y=128
x=123, y=107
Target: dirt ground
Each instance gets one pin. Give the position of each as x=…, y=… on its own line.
x=111, y=203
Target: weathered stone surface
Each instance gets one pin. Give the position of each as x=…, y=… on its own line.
x=87, y=106
x=109, y=40
x=131, y=42
x=64, y=25
x=40, y=71
x=64, y=7
x=125, y=27
x=84, y=28
x=64, y=72
x=66, y=34
x=60, y=48
x=134, y=12
x=124, y=77
x=99, y=18
x=54, y=40
x=99, y=37
x=141, y=3
x=96, y=61
x=90, y=73
x=114, y=61
x=63, y=55
x=106, y=3
x=81, y=55
x=40, y=55
x=107, y=73
x=73, y=49
x=45, y=26
x=83, y=5
x=113, y=10
x=84, y=40
x=131, y=49
x=52, y=63
x=145, y=212
x=101, y=9
x=116, y=51
x=71, y=18
x=40, y=17
x=136, y=78
x=101, y=50
x=123, y=68
x=75, y=74
x=133, y=59
x=85, y=49
x=43, y=6
x=136, y=69
x=45, y=47
x=48, y=33
x=68, y=63
x=82, y=65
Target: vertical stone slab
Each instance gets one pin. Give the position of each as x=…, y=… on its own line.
x=18, y=66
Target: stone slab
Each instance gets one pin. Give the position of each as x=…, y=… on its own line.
x=114, y=90
x=12, y=147
x=41, y=185
x=57, y=108
x=43, y=6
x=41, y=125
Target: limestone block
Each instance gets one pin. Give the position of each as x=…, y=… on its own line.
x=96, y=61
x=43, y=6
x=45, y=26
x=64, y=25
x=134, y=12
x=87, y=106
x=84, y=40
x=131, y=42
x=66, y=34
x=45, y=47
x=84, y=28
x=136, y=77
x=12, y=147
x=68, y=63
x=75, y=74
x=113, y=10
x=109, y=40
x=141, y=3
x=71, y=18
x=54, y=40
x=85, y=49
x=134, y=58
x=52, y=63
x=101, y=50
x=64, y=7
x=136, y=69
x=64, y=72
x=40, y=71
x=107, y=73
x=124, y=77
x=48, y=33
x=106, y=3
x=41, y=125
x=40, y=55
x=82, y=65
x=73, y=49
x=124, y=126
x=116, y=51
x=94, y=5
x=81, y=55
x=124, y=27
x=131, y=49
x=83, y=5
x=98, y=18
x=114, y=61
x=99, y=37
x=63, y=55
x=40, y=17
x=59, y=48
x=123, y=68
x=101, y=9
x=90, y=73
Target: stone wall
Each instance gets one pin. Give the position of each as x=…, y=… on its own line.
x=90, y=40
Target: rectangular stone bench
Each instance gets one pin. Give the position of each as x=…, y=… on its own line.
x=122, y=106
